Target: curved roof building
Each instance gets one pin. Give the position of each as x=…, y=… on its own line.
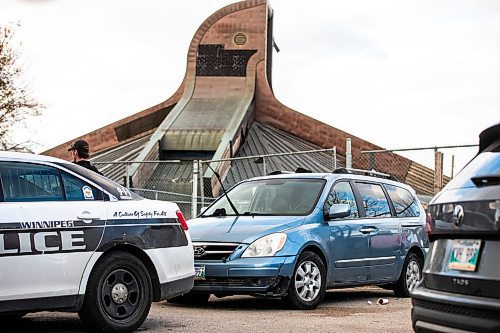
x=225, y=107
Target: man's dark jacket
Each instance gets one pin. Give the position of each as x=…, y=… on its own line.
x=86, y=164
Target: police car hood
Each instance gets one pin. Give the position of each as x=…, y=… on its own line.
x=239, y=229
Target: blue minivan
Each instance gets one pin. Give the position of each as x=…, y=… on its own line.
x=293, y=235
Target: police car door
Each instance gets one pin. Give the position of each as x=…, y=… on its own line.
x=50, y=223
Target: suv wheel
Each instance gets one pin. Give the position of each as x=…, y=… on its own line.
x=411, y=274
x=119, y=294
x=190, y=298
x=308, y=285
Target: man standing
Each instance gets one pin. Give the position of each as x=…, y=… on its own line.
x=80, y=152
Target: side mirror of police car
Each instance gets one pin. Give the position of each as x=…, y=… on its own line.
x=338, y=211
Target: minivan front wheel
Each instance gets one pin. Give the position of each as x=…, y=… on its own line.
x=308, y=285
x=411, y=274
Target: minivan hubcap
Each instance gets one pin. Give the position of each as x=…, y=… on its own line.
x=412, y=275
x=307, y=281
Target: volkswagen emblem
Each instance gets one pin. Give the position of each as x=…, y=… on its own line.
x=458, y=215
x=198, y=251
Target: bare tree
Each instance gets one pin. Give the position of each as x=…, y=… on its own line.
x=16, y=104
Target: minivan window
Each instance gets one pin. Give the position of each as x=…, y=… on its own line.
x=374, y=201
x=404, y=202
x=30, y=182
x=342, y=193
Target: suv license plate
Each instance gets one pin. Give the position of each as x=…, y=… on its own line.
x=199, y=272
x=465, y=254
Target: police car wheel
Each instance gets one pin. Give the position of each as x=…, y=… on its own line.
x=308, y=284
x=119, y=294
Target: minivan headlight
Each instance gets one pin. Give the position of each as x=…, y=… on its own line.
x=266, y=246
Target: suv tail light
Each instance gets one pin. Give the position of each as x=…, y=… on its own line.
x=182, y=220
x=428, y=225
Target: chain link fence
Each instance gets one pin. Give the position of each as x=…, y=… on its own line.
x=160, y=180
x=193, y=185
x=426, y=169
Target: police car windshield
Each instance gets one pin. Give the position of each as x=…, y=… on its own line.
x=119, y=191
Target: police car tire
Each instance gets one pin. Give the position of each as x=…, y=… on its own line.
x=190, y=298
x=292, y=300
x=97, y=305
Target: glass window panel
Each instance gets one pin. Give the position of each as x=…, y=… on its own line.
x=30, y=182
x=76, y=189
x=374, y=200
x=342, y=193
x=404, y=202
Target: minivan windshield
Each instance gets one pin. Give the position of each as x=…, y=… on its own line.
x=276, y=196
x=486, y=164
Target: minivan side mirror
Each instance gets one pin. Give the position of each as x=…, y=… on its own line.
x=338, y=211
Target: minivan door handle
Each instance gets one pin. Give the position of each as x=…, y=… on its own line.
x=368, y=229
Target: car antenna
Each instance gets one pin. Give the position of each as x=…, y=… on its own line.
x=224, y=190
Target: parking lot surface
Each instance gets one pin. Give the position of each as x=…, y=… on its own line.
x=344, y=310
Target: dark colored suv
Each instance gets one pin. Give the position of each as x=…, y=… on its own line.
x=460, y=291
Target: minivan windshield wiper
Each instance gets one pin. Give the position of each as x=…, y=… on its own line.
x=225, y=193
x=486, y=180
x=254, y=214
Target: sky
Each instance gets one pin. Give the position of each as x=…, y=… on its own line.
x=397, y=73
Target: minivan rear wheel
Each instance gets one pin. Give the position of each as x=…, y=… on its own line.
x=308, y=285
x=411, y=274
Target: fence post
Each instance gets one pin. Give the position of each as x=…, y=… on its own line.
x=202, y=184
x=194, y=198
x=452, y=166
x=127, y=175
x=438, y=171
x=334, y=157
x=348, y=154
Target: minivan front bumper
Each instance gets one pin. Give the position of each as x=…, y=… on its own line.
x=438, y=311
x=267, y=276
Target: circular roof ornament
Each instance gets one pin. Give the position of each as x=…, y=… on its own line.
x=240, y=38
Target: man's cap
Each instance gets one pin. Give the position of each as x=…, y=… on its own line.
x=80, y=146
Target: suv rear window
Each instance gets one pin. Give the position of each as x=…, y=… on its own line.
x=486, y=164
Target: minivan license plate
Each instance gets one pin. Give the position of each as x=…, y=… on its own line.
x=199, y=272
x=465, y=254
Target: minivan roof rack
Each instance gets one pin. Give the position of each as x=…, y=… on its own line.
x=279, y=172
x=283, y=172
x=362, y=172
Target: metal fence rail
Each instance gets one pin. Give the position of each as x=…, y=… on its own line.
x=193, y=185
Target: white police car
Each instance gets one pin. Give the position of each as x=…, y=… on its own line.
x=73, y=240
